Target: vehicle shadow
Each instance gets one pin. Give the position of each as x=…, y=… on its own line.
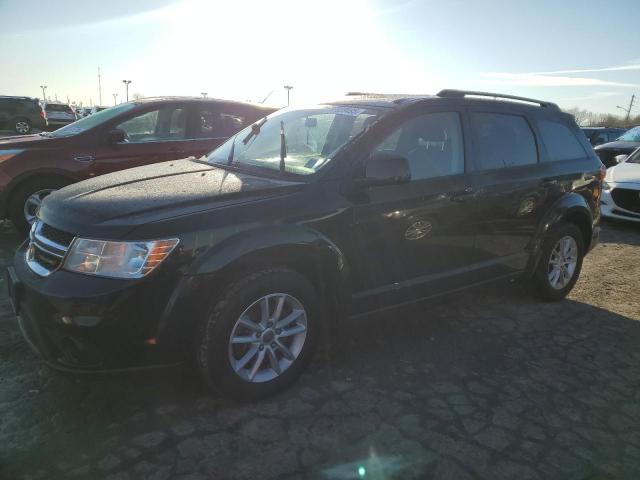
x=619, y=231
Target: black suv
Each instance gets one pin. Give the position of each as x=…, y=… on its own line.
x=626, y=144
x=21, y=114
x=238, y=259
x=599, y=135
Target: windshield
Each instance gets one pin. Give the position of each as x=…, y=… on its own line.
x=634, y=157
x=632, y=135
x=312, y=136
x=91, y=121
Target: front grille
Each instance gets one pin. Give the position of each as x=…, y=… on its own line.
x=57, y=236
x=627, y=198
x=47, y=248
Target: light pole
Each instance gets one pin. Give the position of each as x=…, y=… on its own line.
x=288, y=89
x=44, y=96
x=126, y=84
x=204, y=94
x=115, y=98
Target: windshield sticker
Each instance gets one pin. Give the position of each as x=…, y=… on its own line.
x=348, y=111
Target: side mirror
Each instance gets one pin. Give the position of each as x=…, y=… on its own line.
x=116, y=136
x=621, y=158
x=385, y=168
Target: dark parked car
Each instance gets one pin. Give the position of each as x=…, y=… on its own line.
x=58, y=115
x=624, y=145
x=21, y=114
x=239, y=259
x=599, y=135
x=128, y=135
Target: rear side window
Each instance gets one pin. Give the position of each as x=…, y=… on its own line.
x=503, y=141
x=560, y=141
x=213, y=122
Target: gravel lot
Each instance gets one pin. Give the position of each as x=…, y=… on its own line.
x=486, y=384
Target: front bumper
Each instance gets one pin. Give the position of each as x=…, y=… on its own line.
x=610, y=209
x=83, y=323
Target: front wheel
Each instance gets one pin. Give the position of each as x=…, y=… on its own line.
x=27, y=198
x=260, y=334
x=560, y=263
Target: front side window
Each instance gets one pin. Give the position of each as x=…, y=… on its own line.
x=431, y=143
x=503, y=141
x=561, y=143
x=632, y=135
x=311, y=137
x=156, y=125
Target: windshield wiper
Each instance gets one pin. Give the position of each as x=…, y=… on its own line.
x=255, y=130
x=233, y=147
x=283, y=146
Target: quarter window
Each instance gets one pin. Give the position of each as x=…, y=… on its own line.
x=431, y=143
x=561, y=143
x=503, y=141
x=211, y=122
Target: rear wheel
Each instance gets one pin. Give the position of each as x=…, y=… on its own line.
x=22, y=126
x=260, y=334
x=27, y=198
x=561, y=262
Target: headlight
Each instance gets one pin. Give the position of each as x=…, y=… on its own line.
x=606, y=186
x=117, y=259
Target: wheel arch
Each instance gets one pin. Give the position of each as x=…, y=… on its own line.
x=302, y=250
x=571, y=207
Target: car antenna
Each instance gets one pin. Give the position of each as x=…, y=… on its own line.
x=283, y=146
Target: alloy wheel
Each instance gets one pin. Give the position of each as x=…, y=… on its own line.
x=562, y=262
x=22, y=127
x=268, y=337
x=33, y=202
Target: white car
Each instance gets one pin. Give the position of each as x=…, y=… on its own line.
x=621, y=189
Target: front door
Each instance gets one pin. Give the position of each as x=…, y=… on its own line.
x=415, y=239
x=154, y=136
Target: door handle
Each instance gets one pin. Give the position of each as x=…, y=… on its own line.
x=462, y=195
x=84, y=158
x=549, y=182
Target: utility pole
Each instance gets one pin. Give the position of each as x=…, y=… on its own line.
x=115, y=98
x=99, y=87
x=628, y=110
x=126, y=84
x=44, y=96
x=288, y=89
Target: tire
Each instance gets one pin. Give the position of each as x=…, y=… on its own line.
x=22, y=126
x=543, y=278
x=22, y=193
x=215, y=353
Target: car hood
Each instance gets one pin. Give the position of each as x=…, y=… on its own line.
x=619, y=146
x=624, y=173
x=26, y=141
x=111, y=205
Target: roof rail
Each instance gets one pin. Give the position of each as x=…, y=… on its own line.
x=464, y=93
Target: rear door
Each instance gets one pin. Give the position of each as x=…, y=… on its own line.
x=155, y=135
x=415, y=239
x=511, y=188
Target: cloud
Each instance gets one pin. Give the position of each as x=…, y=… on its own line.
x=550, y=79
x=619, y=68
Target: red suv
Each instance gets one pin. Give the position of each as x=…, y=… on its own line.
x=128, y=135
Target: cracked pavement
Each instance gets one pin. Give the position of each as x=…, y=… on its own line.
x=489, y=383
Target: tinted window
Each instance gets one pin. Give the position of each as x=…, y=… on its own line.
x=432, y=144
x=53, y=107
x=560, y=141
x=214, y=122
x=503, y=141
x=614, y=136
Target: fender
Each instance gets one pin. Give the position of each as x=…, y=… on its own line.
x=297, y=246
x=25, y=177
x=570, y=205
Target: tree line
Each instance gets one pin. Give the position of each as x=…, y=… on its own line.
x=586, y=118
